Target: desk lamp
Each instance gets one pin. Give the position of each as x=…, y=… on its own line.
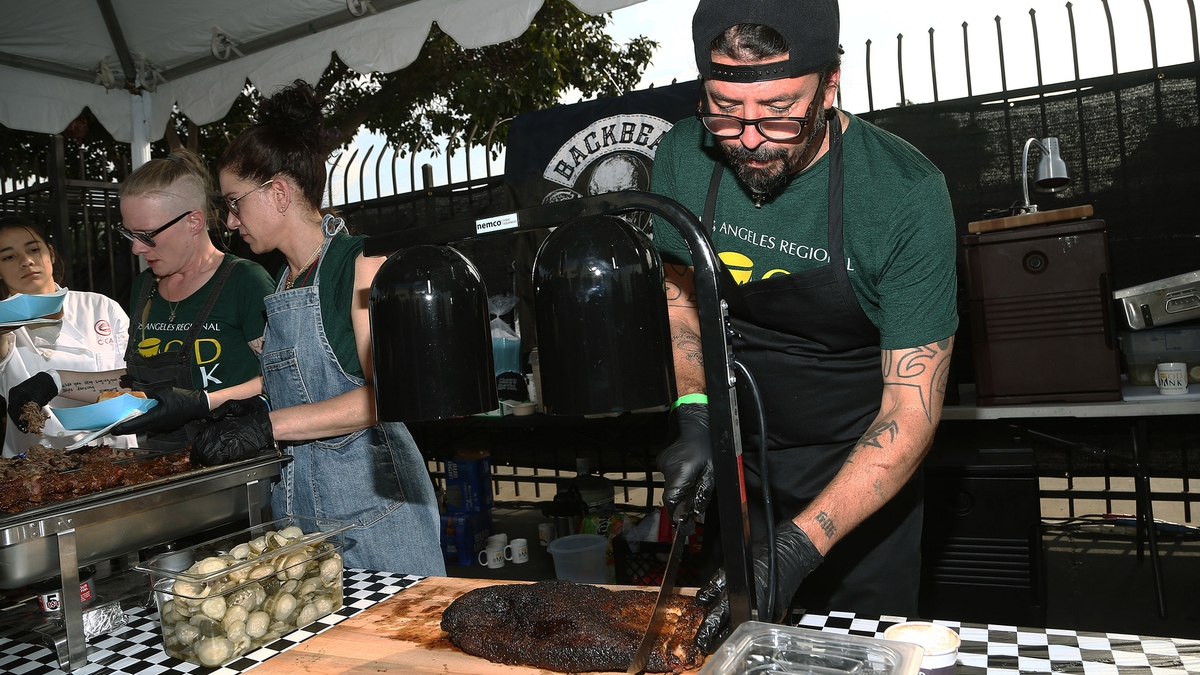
x=608, y=267
x=1051, y=174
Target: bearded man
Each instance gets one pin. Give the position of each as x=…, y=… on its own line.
x=838, y=248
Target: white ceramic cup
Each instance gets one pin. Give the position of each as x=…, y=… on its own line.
x=517, y=551
x=545, y=533
x=492, y=556
x=1171, y=378
x=500, y=537
x=939, y=643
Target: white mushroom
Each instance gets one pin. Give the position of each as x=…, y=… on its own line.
x=257, y=545
x=214, y=608
x=292, y=532
x=257, y=624
x=214, y=651
x=240, y=552
x=239, y=574
x=290, y=587
x=307, y=615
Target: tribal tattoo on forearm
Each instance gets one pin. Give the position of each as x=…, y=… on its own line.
x=925, y=368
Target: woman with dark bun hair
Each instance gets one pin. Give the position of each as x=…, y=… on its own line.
x=319, y=403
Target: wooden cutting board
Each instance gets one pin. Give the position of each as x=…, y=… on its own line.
x=1035, y=218
x=399, y=635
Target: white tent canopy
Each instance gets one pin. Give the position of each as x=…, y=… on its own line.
x=132, y=61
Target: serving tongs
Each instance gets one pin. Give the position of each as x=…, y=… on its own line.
x=641, y=657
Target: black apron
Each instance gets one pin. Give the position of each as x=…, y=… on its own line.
x=173, y=368
x=816, y=358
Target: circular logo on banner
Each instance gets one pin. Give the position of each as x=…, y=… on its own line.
x=102, y=327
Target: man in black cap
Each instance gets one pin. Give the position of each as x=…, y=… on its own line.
x=838, y=248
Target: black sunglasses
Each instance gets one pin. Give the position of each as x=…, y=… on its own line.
x=772, y=128
x=147, y=238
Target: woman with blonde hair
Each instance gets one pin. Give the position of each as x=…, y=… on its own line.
x=317, y=371
x=197, y=313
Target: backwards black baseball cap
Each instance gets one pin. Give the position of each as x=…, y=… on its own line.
x=810, y=27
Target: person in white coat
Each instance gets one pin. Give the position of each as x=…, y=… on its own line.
x=89, y=335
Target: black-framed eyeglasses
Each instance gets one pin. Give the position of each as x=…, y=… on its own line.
x=147, y=238
x=772, y=128
x=232, y=203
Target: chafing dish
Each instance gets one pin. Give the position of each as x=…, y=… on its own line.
x=58, y=538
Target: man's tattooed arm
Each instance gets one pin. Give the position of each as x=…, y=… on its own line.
x=685, y=329
x=887, y=454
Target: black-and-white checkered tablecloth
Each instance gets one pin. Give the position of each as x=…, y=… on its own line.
x=136, y=649
x=1007, y=650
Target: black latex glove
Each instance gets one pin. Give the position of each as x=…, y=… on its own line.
x=176, y=407
x=39, y=389
x=239, y=408
x=233, y=438
x=795, y=559
x=686, y=464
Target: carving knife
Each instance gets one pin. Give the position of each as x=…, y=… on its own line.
x=642, y=656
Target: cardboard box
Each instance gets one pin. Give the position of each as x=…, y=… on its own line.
x=464, y=536
x=468, y=485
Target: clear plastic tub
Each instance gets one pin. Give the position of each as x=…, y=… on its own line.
x=248, y=589
x=1145, y=349
x=757, y=647
x=581, y=558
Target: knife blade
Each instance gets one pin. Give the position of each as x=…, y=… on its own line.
x=642, y=656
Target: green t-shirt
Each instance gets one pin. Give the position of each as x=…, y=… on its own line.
x=222, y=356
x=898, y=227
x=337, y=293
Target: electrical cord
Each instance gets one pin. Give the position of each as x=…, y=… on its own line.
x=764, y=474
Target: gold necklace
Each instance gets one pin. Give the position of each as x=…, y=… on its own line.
x=293, y=276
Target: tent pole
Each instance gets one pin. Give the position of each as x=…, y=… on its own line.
x=139, y=144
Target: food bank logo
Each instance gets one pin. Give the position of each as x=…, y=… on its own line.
x=207, y=351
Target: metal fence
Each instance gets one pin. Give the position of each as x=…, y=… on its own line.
x=1037, y=52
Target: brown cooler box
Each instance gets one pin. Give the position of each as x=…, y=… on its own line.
x=1040, y=314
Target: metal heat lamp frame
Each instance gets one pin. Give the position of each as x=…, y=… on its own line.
x=718, y=371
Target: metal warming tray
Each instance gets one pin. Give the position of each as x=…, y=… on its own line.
x=57, y=538
x=1161, y=302
x=125, y=519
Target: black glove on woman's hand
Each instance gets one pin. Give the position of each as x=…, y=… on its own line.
x=39, y=389
x=795, y=559
x=686, y=464
x=239, y=408
x=176, y=407
x=233, y=438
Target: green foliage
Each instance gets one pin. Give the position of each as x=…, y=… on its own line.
x=448, y=92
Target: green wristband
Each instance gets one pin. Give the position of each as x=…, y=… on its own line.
x=690, y=398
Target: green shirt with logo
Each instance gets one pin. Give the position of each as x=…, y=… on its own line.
x=223, y=356
x=898, y=226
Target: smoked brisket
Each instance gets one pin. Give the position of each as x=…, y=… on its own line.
x=571, y=628
x=45, y=475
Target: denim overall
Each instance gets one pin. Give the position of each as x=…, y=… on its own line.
x=374, y=477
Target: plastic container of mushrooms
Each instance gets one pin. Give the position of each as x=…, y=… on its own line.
x=248, y=589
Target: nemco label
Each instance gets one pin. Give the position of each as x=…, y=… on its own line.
x=505, y=222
